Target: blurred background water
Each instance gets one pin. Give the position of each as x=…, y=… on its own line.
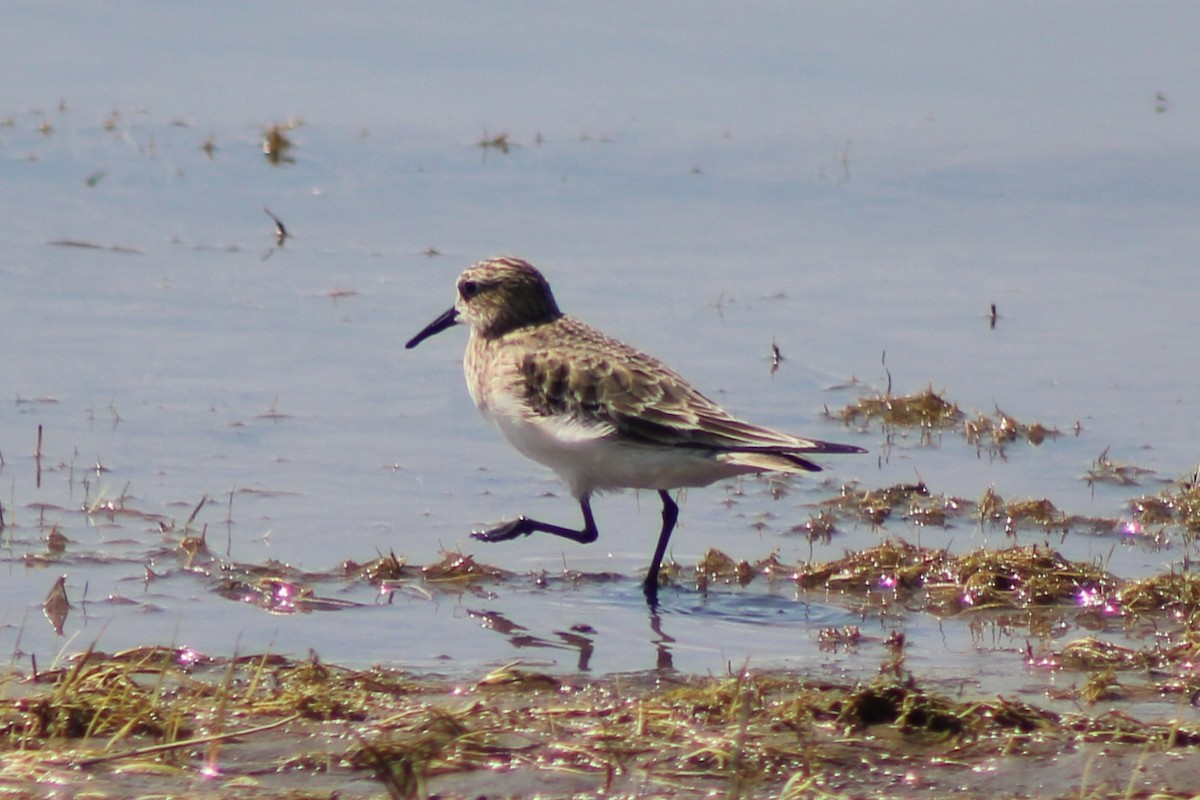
x=842, y=180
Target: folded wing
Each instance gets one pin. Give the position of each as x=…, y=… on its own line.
x=640, y=399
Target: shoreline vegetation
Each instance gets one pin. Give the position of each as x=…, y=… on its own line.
x=161, y=718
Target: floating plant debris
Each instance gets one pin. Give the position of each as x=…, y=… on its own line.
x=876, y=505
x=929, y=411
x=164, y=711
x=943, y=583
x=56, y=606
x=499, y=142
x=84, y=245
x=1105, y=470
x=277, y=145
x=1178, y=504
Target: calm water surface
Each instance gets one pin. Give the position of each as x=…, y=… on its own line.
x=700, y=186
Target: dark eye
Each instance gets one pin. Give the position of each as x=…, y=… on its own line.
x=468, y=289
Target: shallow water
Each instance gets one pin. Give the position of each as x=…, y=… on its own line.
x=699, y=186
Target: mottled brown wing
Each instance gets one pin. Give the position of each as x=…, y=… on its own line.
x=596, y=387
x=608, y=387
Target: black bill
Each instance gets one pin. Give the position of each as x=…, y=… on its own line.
x=447, y=320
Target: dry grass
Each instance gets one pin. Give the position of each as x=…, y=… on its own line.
x=177, y=715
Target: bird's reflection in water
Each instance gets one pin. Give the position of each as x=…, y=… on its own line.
x=662, y=645
x=579, y=638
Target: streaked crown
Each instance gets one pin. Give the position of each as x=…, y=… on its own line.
x=503, y=294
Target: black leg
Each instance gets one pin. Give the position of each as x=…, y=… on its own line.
x=523, y=526
x=670, y=514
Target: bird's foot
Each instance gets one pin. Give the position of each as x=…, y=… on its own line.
x=503, y=533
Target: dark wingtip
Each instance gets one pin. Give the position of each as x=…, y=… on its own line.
x=836, y=448
x=821, y=448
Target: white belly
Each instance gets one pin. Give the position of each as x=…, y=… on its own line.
x=588, y=463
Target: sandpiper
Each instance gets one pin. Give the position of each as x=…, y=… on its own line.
x=601, y=414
